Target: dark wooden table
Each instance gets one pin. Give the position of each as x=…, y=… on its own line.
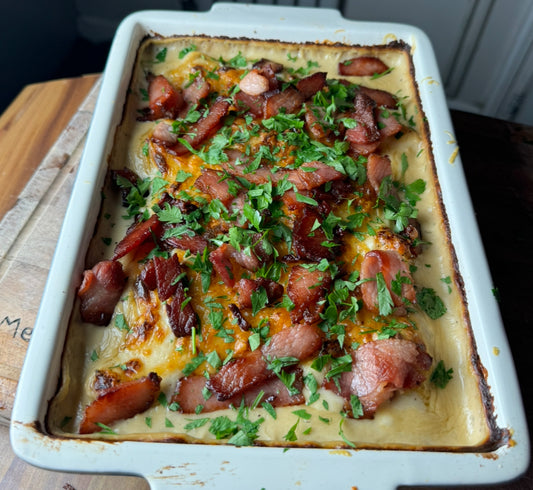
x=498, y=162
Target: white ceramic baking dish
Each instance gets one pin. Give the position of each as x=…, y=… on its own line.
x=189, y=465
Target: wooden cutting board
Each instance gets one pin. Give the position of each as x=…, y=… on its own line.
x=28, y=236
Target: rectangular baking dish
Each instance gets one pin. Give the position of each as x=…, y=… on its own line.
x=223, y=466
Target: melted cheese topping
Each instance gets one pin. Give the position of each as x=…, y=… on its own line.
x=427, y=417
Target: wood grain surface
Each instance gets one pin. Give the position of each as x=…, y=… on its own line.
x=30, y=126
x=498, y=163
x=41, y=139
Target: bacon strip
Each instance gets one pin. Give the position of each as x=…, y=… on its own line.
x=245, y=288
x=220, y=258
x=166, y=272
x=362, y=66
x=199, y=89
x=120, y=402
x=182, y=318
x=164, y=99
x=382, y=367
x=312, y=175
x=391, y=265
x=241, y=374
x=164, y=134
x=190, y=394
x=195, y=244
x=239, y=317
x=100, y=291
x=366, y=130
x=268, y=69
x=308, y=241
x=136, y=235
x=307, y=290
x=253, y=83
x=377, y=168
x=254, y=103
x=381, y=97
x=289, y=99
x=202, y=129
x=311, y=84
x=216, y=185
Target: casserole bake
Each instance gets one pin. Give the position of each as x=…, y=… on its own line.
x=483, y=435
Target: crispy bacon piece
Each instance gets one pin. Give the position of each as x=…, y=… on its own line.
x=253, y=83
x=148, y=275
x=311, y=84
x=164, y=99
x=164, y=134
x=362, y=66
x=158, y=155
x=377, y=168
x=254, y=259
x=222, y=264
x=124, y=174
x=241, y=374
x=254, y=103
x=299, y=341
x=315, y=125
x=307, y=290
x=357, y=149
x=391, y=265
x=195, y=244
x=226, y=257
x=309, y=176
x=268, y=65
x=382, y=367
x=366, y=130
x=289, y=99
x=239, y=317
x=373, y=126
x=190, y=394
x=199, y=131
x=291, y=201
x=136, y=235
x=382, y=98
x=100, y=291
x=167, y=272
x=268, y=69
x=307, y=241
x=170, y=287
x=412, y=233
x=389, y=125
x=245, y=288
x=199, y=89
x=119, y=402
x=181, y=318
x=312, y=175
x=216, y=185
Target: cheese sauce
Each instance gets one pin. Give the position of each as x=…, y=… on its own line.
x=425, y=417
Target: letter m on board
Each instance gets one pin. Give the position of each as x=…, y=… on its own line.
x=9, y=323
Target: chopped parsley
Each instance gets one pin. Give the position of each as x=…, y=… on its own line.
x=430, y=303
x=441, y=376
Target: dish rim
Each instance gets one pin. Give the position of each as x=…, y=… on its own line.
x=44, y=352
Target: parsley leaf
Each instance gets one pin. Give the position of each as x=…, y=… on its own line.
x=430, y=303
x=186, y=50
x=385, y=302
x=440, y=375
x=161, y=56
x=259, y=300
